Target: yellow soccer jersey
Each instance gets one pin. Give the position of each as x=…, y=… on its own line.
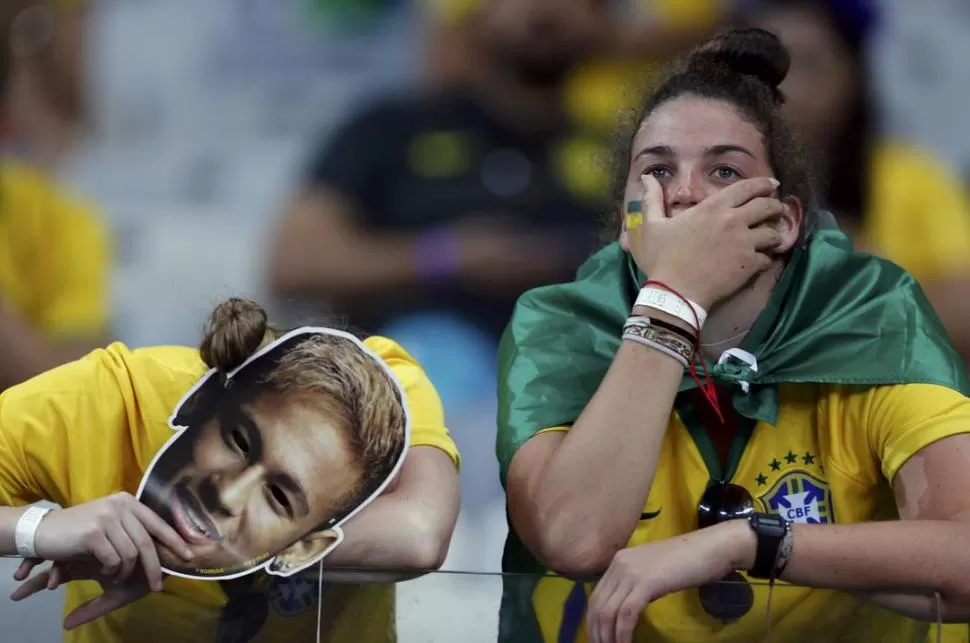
x=829, y=460
x=90, y=428
x=54, y=257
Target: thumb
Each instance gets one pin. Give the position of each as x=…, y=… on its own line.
x=113, y=598
x=653, y=199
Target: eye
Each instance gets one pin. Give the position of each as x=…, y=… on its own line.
x=280, y=499
x=726, y=173
x=658, y=171
x=239, y=440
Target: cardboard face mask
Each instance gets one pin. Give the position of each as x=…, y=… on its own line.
x=268, y=461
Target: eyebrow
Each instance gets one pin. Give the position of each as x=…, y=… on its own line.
x=714, y=150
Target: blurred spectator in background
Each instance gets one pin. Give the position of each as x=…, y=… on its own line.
x=455, y=200
x=893, y=199
x=53, y=249
x=639, y=36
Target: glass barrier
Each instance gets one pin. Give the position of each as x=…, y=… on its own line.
x=460, y=607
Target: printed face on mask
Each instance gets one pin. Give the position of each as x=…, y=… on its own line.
x=255, y=479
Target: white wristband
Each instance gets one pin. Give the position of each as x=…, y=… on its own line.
x=667, y=302
x=25, y=534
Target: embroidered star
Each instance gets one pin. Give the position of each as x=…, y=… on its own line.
x=761, y=480
x=791, y=458
x=808, y=458
x=775, y=465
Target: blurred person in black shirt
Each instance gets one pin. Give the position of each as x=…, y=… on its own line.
x=456, y=200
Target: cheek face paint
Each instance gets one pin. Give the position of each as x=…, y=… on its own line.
x=634, y=214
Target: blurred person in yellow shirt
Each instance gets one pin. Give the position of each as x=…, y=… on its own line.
x=84, y=435
x=54, y=250
x=892, y=198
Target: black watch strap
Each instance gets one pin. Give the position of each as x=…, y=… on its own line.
x=770, y=530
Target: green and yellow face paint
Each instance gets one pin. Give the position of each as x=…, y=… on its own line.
x=634, y=214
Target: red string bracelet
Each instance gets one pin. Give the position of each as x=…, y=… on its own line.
x=707, y=386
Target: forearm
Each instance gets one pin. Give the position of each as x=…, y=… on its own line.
x=26, y=354
x=355, y=266
x=602, y=472
x=406, y=532
x=880, y=559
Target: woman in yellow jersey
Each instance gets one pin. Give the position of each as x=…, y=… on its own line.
x=54, y=249
x=731, y=392
x=270, y=458
x=892, y=198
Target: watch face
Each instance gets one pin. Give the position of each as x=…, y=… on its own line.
x=769, y=523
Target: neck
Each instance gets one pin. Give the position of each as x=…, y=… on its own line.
x=730, y=321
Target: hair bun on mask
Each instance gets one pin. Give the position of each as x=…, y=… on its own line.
x=749, y=52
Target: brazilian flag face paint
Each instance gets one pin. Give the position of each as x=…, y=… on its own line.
x=634, y=214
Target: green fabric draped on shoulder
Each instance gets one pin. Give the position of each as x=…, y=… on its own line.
x=836, y=316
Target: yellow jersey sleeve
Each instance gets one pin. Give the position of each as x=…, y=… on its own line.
x=920, y=213
x=424, y=405
x=89, y=428
x=901, y=420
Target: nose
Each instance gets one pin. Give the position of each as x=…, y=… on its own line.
x=684, y=191
x=233, y=489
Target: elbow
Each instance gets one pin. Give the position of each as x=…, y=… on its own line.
x=578, y=560
x=575, y=553
x=429, y=543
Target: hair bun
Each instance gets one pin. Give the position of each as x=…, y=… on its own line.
x=750, y=52
x=235, y=330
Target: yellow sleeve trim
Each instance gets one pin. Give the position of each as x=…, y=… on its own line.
x=437, y=438
x=553, y=428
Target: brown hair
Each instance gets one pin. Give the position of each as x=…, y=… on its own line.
x=330, y=368
x=744, y=68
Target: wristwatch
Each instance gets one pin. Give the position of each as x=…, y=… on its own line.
x=771, y=531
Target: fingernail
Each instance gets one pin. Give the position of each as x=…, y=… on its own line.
x=775, y=182
x=645, y=182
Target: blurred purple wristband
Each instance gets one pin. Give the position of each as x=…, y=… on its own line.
x=437, y=255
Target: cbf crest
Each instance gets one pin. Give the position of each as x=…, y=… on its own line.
x=801, y=497
x=293, y=595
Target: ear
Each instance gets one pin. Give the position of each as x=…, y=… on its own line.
x=789, y=224
x=309, y=549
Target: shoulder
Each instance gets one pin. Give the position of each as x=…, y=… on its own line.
x=152, y=379
x=411, y=375
x=917, y=397
x=427, y=414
